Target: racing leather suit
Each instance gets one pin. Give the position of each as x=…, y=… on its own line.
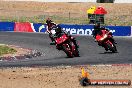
x=58, y=34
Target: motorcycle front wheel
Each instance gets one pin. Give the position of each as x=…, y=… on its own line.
x=112, y=48
x=67, y=50
x=76, y=53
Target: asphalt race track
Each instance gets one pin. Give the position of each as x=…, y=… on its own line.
x=90, y=52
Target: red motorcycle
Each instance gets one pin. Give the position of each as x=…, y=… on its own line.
x=104, y=38
x=65, y=43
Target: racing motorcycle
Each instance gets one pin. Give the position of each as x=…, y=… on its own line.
x=65, y=43
x=104, y=38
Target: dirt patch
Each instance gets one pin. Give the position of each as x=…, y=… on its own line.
x=118, y=14
x=60, y=77
x=20, y=51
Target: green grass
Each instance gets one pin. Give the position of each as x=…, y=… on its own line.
x=42, y=19
x=6, y=50
x=68, y=20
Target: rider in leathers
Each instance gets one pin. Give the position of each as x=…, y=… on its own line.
x=50, y=24
x=58, y=31
x=97, y=30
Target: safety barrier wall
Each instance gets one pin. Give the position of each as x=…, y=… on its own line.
x=72, y=29
x=23, y=27
x=87, y=29
x=7, y=26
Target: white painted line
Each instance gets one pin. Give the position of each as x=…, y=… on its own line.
x=121, y=64
x=32, y=27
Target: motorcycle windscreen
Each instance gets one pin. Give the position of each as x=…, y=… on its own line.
x=100, y=36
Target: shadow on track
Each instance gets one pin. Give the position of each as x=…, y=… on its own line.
x=108, y=52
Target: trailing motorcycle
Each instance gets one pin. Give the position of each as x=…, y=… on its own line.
x=105, y=39
x=65, y=43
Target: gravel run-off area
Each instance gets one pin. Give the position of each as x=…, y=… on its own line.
x=60, y=77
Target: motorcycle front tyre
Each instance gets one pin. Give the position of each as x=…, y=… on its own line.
x=112, y=48
x=68, y=53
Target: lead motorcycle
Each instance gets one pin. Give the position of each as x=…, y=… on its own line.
x=65, y=43
x=104, y=38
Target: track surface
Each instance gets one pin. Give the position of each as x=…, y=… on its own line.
x=90, y=52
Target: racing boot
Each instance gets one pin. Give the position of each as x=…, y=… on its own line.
x=112, y=39
x=58, y=47
x=52, y=39
x=52, y=43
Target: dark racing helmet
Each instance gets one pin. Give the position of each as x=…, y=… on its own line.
x=58, y=29
x=48, y=21
x=97, y=26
